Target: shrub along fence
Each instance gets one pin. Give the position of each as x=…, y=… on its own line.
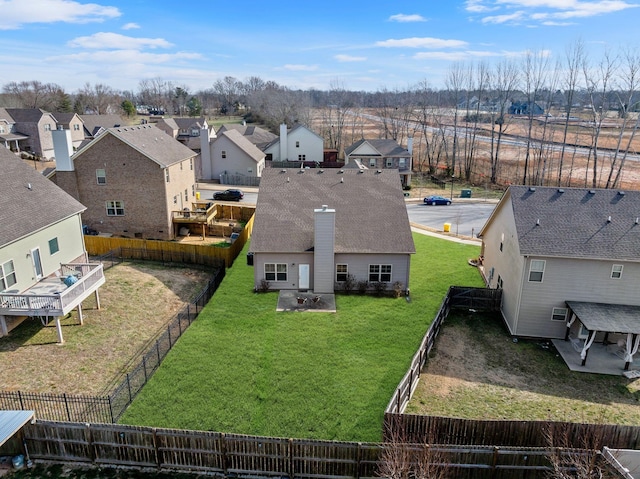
x=235, y=455
x=109, y=408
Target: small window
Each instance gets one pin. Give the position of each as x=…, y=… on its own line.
x=193, y=190
x=2, y=129
x=76, y=127
x=175, y=200
x=297, y=144
x=536, y=270
x=275, y=271
x=166, y=174
x=302, y=157
x=249, y=170
x=115, y=208
x=181, y=165
x=501, y=241
x=342, y=272
x=47, y=127
x=7, y=275
x=499, y=284
x=616, y=271
x=101, y=177
x=191, y=164
x=186, y=194
x=402, y=163
x=389, y=162
x=372, y=162
x=53, y=246
x=224, y=153
x=559, y=314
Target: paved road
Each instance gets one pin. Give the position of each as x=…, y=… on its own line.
x=466, y=218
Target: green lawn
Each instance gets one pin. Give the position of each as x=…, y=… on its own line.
x=242, y=367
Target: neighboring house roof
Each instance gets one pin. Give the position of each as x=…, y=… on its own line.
x=93, y=123
x=185, y=123
x=29, y=202
x=149, y=140
x=65, y=118
x=4, y=115
x=26, y=115
x=575, y=222
x=170, y=122
x=371, y=216
x=386, y=148
x=245, y=145
x=256, y=135
x=276, y=140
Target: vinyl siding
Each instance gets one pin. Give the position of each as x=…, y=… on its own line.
x=572, y=280
x=358, y=265
x=291, y=260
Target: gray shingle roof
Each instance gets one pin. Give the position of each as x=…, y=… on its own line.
x=26, y=115
x=93, y=123
x=256, y=135
x=149, y=140
x=386, y=148
x=574, y=222
x=24, y=210
x=371, y=216
x=245, y=145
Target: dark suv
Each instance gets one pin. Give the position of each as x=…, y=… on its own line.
x=228, y=195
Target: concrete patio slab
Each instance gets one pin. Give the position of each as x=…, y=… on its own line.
x=290, y=300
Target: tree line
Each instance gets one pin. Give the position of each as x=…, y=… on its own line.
x=515, y=121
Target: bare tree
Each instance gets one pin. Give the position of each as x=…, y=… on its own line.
x=100, y=99
x=156, y=93
x=454, y=83
x=34, y=94
x=229, y=89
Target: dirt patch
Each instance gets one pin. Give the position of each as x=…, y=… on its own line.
x=137, y=301
x=477, y=371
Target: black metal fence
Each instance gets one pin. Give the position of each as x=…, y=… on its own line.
x=109, y=408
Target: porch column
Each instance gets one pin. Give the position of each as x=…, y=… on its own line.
x=59, y=330
x=97, y=295
x=572, y=318
x=4, y=331
x=587, y=345
x=633, y=341
x=80, y=314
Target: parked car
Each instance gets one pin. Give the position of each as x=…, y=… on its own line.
x=228, y=195
x=436, y=200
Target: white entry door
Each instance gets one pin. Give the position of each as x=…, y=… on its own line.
x=303, y=276
x=37, y=262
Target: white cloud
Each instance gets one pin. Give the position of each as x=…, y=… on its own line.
x=424, y=42
x=300, y=68
x=16, y=13
x=349, y=58
x=466, y=55
x=476, y=6
x=130, y=26
x=402, y=18
x=496, y=19
x=116, y=41
x=124, y=56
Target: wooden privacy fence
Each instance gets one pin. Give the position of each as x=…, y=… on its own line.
x=170, y=251
x=481, y=299
x=109, y=445
x=449, y=430
x=109, y=408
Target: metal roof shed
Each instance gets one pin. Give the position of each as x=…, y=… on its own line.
x=11, y=422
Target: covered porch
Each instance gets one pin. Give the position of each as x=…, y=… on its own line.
x=607, y=334
x=54, y=296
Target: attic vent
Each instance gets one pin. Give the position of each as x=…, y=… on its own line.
x=341, y=171
x=592, y=192
x=531, y=188
x=283, y=170
x=609, y=219
x=342, y=180
x=637, y=220
x=621, y=193
x=29, y=185
x=287, y=179
x=360, y=171
x=560, y=190
x=321, y=171
x=378, y=171
x=538, y=222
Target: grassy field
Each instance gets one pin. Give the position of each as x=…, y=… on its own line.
x=243, y=367
x=477, y=371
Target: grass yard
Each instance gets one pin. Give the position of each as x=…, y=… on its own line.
x=137, y=301
x=477, y=371
x=244, y=368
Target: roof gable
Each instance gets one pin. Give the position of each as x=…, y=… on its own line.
x=577, y=222
x=251, y=150
x=29, y=202
x=284, y=218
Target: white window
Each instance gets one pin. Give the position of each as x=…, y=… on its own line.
x=372, y=162
x=53, y=246
x=101, y=177
x=342, y=272
x=302, y=157
x=249, y=170
x=380, y=272
x=224, y=153
x=166, y=174
x=297, y=144
x=389, y=162
x=616, y=271
x=181, y=165
x=536, y=270
x=175, y=200
x=76, y=127
x=501, y=241
x=559, y=314
x=115, y=208
x=47, y=127
x=2, y=129
x=275, y=271
x=191, y=164
x=193, y=190
x=186, y=194
x=402, y=163
x=7, y=275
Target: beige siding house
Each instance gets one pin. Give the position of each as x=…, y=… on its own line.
x=35, y=125
x=131, y=179
x=316, y=228
x=296, y=144
x=381, y=154
x=559, y=253
x=40, y=241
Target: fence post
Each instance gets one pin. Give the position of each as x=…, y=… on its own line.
x=158, y=351
x=223, y=450
x=358, y=459
x=89, y=439
x=398, y=401
x=113, y=420
x=291, y=475
x=157, y=449
x=129, y=388
x=20, y=399
x=144, y=367
x=66, y=406
x=496, y=450
x=169, y=333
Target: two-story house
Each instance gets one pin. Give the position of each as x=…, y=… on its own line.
x=381, y=154
x=35, y=126
x=296, y=144
x=131, y=179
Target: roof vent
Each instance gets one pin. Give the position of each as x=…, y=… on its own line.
x=538, y=222
x=341, y=171
x=378, y=171
x=342, y=180
x=592, y=192
x=621, y=193
x=321, y=171
x=283, y=170
x=29, y=186
x=287, y=179
x=637, y=220
x=560, y=190
x=609, y=219
x=532, y=189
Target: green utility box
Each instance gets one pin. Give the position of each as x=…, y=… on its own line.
x=465, y=193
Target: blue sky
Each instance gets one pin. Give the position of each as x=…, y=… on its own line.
x=360, y=45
